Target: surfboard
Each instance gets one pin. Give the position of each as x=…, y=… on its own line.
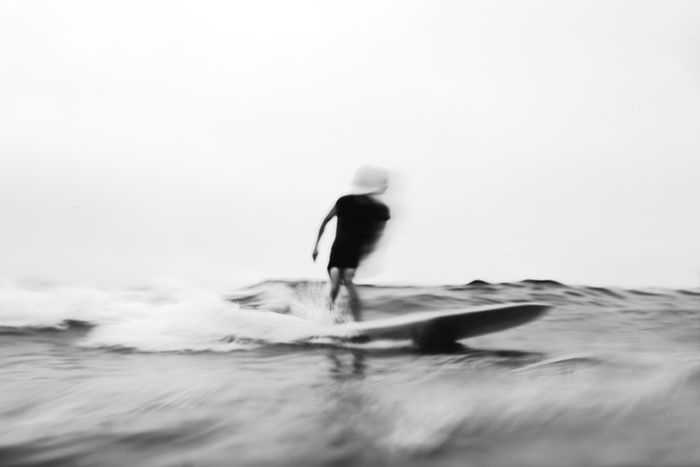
x=439, y=329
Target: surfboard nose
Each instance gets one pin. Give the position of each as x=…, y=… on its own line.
x=534, y=309
x=441, y=333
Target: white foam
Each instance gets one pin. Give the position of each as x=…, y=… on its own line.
x=29, y=305
x=172, y=317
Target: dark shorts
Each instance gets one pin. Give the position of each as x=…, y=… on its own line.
x=345, y=255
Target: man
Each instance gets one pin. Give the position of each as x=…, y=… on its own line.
x=361, y=220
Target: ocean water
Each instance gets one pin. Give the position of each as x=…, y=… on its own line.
x=178, y=376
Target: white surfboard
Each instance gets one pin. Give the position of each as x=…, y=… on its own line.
x=435, y=329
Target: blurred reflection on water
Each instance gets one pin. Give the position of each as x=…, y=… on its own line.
x=610, y=377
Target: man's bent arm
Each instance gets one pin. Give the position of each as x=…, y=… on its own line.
x=327, y=219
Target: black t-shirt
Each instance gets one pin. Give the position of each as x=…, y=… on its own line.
x=361, y=219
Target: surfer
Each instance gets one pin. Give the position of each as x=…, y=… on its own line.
x=361, y=220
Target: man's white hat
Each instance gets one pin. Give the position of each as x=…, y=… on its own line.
x=368, y=180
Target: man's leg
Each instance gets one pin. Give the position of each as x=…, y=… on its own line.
x=334, y=275
x=354, y=300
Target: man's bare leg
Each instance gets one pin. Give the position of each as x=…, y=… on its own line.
x=334, y=275
x=353, y=297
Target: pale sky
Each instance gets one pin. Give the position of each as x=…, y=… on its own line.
x=207, y=139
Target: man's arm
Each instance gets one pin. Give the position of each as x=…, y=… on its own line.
x=331, y=214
